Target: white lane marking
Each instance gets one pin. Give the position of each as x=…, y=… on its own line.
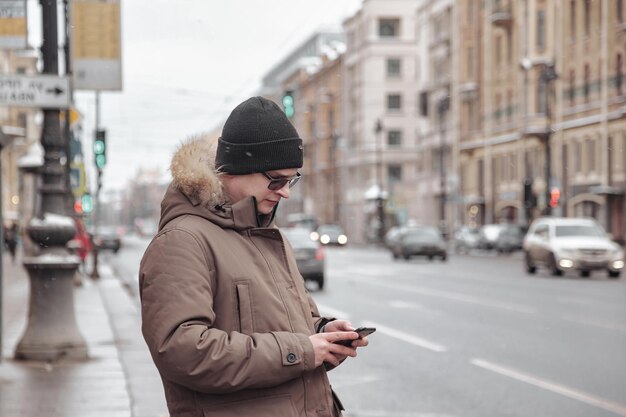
x=405, y=337
x=518, y=308
x=404, y=305
x=332, y=312
x=610, y=326
x=386, y=413
x=573, y=393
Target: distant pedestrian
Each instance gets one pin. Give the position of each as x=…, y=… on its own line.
x=10, y=240
x=231, y=327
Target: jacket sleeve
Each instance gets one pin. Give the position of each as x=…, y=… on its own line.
x=176, y=287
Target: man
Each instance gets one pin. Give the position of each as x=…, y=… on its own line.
x=226, y=315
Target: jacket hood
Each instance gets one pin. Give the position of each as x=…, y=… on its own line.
x=197, y=189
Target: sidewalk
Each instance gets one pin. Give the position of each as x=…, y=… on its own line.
x=118, y=380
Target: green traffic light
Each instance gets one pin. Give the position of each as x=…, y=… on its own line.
x=98, y=146
x=101, y=161
x=87, y=202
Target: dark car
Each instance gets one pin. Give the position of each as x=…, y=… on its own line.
x=488, y=235
x=510, y=238
x=419, y=241
x=330, y=234
x=108, y=238
x=309, y=254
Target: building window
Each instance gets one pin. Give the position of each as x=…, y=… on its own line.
x=394, y=173
x=619, y=11
x=394, y=67
x=498, y=107
x=591, y=155
x=498, y=49
x=572, y=87
x=394, y=102
x=394, y=138
x=423, y=100
x=389, y=28
x=619, y=75
x=541, y=95
x=577, y=157
x=587, y=17
x=587, y=85
x=541, y=29
x=470, y=62
x=509, y=106
x=572, y=20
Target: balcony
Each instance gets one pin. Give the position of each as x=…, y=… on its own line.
x=468, y=91
x=502, y=13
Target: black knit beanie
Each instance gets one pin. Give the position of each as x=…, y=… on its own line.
x=258, y=137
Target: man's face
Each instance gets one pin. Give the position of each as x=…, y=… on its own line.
x=255, y=185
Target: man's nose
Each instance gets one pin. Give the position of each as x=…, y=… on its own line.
x=284, y=192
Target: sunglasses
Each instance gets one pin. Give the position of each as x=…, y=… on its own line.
x=278, y=183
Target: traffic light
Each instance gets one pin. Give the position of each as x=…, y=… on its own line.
x=289, y=104
x=99, y=148
x=529, y=197
x=87, y=203
x=555, y=195
x=78, y=207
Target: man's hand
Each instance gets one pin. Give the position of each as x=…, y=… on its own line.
x=326, y=350
x=344, y=326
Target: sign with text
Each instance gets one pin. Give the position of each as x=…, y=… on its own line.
x=44, y=91
x=96, y=45
x=13, y=29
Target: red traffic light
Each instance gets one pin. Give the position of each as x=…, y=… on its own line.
x=555, y=195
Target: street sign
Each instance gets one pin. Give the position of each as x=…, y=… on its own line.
x=13, y=27
x=44, y=91
x=96, y=45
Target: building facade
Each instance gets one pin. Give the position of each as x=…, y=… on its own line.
x=379, y=118
x=541, y=101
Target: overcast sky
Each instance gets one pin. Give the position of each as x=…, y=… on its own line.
x=186, y=64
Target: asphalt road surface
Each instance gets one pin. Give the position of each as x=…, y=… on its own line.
x=475, y=336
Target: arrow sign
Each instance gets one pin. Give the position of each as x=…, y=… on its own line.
x=44, y=91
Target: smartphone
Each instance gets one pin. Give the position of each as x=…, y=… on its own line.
x=362, y=331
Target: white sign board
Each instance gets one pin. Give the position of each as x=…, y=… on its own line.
x=44, y=91
x=13, y=27
x=96, y=45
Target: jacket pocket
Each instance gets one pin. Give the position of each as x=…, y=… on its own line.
x=244, y=308
x=272, y=406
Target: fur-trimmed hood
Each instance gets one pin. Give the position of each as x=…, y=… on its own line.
x=194, y=173
x=197, y=189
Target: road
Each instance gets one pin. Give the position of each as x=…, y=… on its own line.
x=474, y=336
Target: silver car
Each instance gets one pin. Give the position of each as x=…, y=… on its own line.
x=309, y=254
x=571, y=244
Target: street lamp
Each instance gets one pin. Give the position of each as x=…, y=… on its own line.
x=51, y=332
x=547, y=76
x=380, y=207
x=442, y=109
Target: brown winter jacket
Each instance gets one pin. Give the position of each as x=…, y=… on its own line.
x=225, y=312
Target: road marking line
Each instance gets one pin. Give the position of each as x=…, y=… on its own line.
x=610, y=326
x=333, y=312
x=453, y=296
x=575, y=394
x=405, y=337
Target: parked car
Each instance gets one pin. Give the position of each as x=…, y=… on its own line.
x=465, y=239
x=488, y=235
x=418, y=241
x=571, y=244
x=108, y=238
x=309, y=254
x=330, y=234
x=510, y=238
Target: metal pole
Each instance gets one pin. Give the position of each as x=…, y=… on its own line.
x=380, y=204
x=443, y=108
x=52, y=332
x=1, y=252
x=548, y=75
x=96, y=212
